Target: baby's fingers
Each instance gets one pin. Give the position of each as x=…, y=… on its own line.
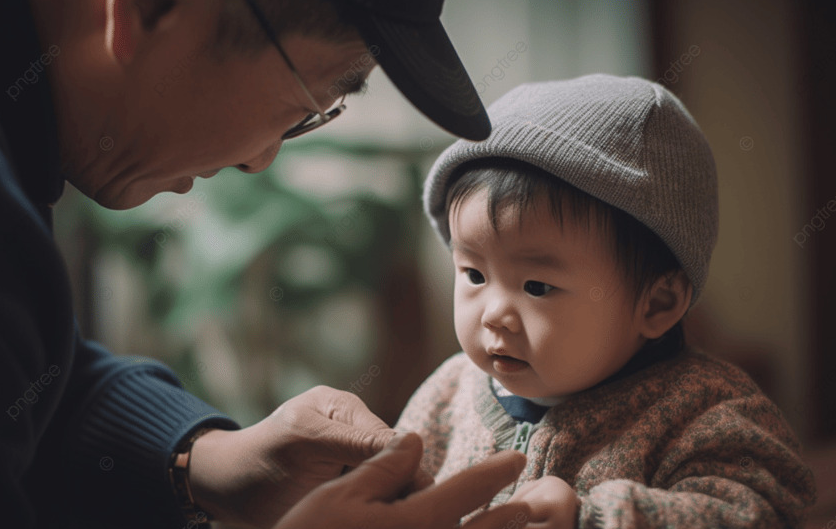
x=501, y=517
x=525, y=491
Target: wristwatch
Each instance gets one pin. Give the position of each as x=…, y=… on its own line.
x=178, y=473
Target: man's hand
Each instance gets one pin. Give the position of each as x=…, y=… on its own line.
x=252, y=477
x=553, y=502
x=371, y=496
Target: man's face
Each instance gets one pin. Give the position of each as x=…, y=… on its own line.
x=180, y=113
x=542, y=308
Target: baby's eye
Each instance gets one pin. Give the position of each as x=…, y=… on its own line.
x=475, y=276
x=537, y=288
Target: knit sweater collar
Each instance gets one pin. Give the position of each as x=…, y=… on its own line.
x=520, y=409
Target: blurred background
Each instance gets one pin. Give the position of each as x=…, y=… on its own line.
x=323, y=270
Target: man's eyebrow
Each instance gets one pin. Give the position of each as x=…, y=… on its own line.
x=357, y=86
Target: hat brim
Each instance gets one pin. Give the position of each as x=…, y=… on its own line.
x=422, y=63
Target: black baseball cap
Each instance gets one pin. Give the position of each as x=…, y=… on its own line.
x=413, y=49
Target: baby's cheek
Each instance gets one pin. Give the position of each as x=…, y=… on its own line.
x=595, y=315
x=465, y=322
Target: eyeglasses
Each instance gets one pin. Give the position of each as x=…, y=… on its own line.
x=314, y=120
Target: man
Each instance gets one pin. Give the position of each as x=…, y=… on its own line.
x=129, y=98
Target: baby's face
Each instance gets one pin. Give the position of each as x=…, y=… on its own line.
x=540, y=307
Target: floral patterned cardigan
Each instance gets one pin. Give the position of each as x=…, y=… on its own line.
x=687, y=441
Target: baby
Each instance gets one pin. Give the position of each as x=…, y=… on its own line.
x=581, y=233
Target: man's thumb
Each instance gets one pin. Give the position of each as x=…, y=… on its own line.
x=391, y=470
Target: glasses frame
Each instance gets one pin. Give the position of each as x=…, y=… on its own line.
x=314, y=120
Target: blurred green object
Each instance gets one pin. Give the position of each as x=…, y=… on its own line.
x=262, y=258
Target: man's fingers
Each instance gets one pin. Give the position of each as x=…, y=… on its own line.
x=354, y=432
x=351, y=445
x=471, y=488
x=385, y=475
x=421, y=480
x=348, y=408
x=501, y=517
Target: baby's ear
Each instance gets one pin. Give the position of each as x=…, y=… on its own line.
x=664, y=304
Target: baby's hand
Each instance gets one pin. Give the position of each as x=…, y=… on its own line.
x=554, y=504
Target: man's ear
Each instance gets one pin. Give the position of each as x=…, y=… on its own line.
x=664, y=304
x=129, y=22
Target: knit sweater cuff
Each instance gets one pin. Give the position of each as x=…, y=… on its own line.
x=121, y=450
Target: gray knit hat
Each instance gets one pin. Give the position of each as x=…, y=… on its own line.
x=626, y=141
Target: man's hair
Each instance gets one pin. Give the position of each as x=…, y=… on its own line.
x=238, y=30
x=641, y=255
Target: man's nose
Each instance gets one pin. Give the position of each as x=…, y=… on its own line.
x=500, y=313
x=262, y=161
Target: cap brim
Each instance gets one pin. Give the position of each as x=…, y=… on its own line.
x=421, y=61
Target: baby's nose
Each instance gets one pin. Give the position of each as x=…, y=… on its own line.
x=500, y=314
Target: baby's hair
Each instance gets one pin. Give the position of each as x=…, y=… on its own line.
x=639, y=252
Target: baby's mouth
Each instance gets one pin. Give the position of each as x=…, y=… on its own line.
x=507, y=364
